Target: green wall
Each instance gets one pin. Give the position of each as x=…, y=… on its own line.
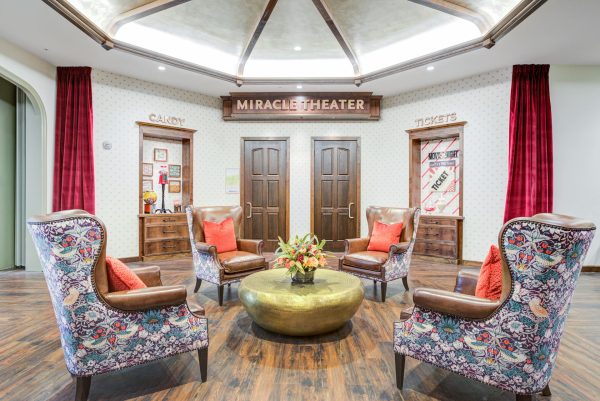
x=7, y=173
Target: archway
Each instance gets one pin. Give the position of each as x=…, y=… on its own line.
x=32, y=179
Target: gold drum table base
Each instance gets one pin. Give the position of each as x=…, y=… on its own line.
x=278, y=305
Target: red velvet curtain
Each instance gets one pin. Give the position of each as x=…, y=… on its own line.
x=530, y=165
x=74, y=141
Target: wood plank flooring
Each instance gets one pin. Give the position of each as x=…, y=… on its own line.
x=248, y=363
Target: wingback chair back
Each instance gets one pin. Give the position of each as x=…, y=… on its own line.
x=389, y=215
x=216, y=214
x=514, y=344
x=97, y=337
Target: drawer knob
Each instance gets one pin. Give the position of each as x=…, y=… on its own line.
x=168, y=220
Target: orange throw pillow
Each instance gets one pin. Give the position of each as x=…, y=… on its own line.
x=489, y=284
x=221, y=235
x=384, y=235
x=120, y=277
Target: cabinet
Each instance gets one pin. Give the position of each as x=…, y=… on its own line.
x=163, y=235
x=440, y=237
x=436, y=186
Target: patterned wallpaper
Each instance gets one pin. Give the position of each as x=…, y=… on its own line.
x=481, y=100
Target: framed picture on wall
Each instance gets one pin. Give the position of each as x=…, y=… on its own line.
x=175, y=186
x=161, y=155
x=232, y=180
x=147, y=169
x=175, y=170
x=147, y=185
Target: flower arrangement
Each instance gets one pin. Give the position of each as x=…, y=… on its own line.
x=301, y=255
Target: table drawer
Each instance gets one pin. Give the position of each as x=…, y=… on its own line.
x=166, y=247
x=437, y=221
x=435, y=248
x=166, y=231
x=161, y=219
x=441, y=233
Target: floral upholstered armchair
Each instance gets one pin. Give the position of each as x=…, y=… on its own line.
x=104, y=331
x=378, y=266
x=511, y=344
x=226, y=267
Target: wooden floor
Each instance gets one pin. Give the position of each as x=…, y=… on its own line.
x=248, y=363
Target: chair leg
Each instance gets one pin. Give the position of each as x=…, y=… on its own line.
x=400, y=359
x=82, y=388
x=220, y=290
x=546, y=391
x=198, y=284
x=203, y=361
x=383, y=290
x=405, y=283
x=524, y=397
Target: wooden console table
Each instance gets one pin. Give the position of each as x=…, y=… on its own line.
x=440, y=237
x=163, y=235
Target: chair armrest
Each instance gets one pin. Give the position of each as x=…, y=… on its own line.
x=353, y=245
x=450, y=303
x=466, y=281
x=250, y=245
x=150, y=275
x=206, y=248
x=147, y=298
x=400, y=247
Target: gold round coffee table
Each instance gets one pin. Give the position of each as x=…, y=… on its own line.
x=276, y=304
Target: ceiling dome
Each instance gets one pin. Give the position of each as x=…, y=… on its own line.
x=272, y=41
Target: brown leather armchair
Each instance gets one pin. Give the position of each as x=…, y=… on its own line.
x=383, y=266
x=227, y=267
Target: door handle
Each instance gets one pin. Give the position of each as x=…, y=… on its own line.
x=249, y=215
x=350, y=210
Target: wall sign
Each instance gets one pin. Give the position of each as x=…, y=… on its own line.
x=301, y=106
x=159, y=118
x=435, y=120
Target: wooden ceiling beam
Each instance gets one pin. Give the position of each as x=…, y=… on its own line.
x=459, y=11
x=254, y=38
x=140, y=12
x=333, y=26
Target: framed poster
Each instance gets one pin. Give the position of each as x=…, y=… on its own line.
x=175, y=170
x=175, y=186
x=147, y=169
x=147, y=185
x=232, y=180
x=161, y=155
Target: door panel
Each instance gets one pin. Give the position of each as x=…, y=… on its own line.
x=264, y=164
x=335, y=191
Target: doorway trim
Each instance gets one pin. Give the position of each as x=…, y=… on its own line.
x=312, y=175
x=287, y=174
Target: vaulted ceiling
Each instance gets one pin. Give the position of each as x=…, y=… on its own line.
x=273, y=41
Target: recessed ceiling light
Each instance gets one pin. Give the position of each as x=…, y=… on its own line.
x=161, y=68
x=297, y=48
x=298, y=86
x=430, y=68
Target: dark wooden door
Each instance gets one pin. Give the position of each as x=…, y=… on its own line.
x=336, y=191
x=264, y=193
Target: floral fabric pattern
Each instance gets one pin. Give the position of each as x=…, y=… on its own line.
x=205, y=265
x=397, y=266
x=515, y=349
x=95, y=337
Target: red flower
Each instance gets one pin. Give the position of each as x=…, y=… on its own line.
x=300, y=258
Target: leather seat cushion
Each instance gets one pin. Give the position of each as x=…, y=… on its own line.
x=370, y=260
x=240, y=261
